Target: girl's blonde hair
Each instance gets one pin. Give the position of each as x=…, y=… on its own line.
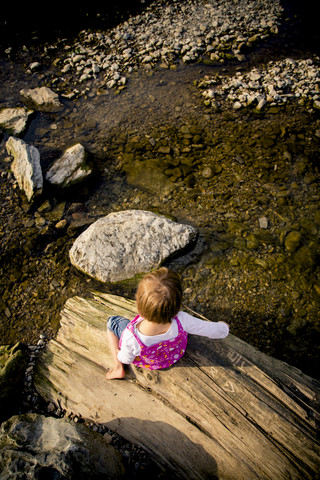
x=159, y=295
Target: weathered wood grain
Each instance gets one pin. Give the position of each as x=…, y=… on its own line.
x=225, y=410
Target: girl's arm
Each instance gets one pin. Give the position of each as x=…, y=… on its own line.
x=204, y=328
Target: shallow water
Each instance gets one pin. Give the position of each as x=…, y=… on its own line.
x=238, y=271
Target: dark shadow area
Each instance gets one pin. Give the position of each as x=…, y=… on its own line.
x=299, y=349
x=306, y=32
x=30, y=24
x=194, y=461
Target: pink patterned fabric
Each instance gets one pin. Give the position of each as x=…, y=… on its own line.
x=162, y=354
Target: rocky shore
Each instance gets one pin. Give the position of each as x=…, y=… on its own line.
x=166, y=32
x=182, y=116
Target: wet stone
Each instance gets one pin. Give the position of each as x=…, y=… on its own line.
x=292, y=241
x=305, y=258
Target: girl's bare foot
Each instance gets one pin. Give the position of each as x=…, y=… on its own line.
x=117, y=372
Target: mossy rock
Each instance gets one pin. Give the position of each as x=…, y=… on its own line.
x=148, y=176
x=293, y=241
x=13, y=361
x=252, y=242
x=305, y=258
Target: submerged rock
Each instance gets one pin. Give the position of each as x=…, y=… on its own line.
x=43, y=98
x=149, y=177
x=305, y=258
x=293, y=241
x=26, y=166
x=124, y=244
x=70, y=168
x=14, y=120
x=35, y=446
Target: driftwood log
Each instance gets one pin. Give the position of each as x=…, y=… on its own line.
x=225, y=410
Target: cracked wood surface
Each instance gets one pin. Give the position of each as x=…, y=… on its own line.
x=225, y=410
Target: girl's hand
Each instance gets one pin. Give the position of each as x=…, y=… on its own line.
x=221, y=321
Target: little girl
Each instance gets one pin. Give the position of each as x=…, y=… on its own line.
x=157, y=337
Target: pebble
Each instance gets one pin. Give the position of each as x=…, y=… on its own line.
x=108, y=438
x=263, y=222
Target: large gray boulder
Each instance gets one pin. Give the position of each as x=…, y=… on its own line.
x=26, y=166
x=14, y=120
x=34, y=446
x=124, y=244
x=70, y=168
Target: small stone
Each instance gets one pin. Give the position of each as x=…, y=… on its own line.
x=108, y=438
x=252, y=242
x=34, y=66
x=40, y=222
x=237, y=105
x=61, y=225
x=51, y=408
x=292, y=241
x=261, y=104
x=207, y=172
x=164, y=149
x=263, y=222
x=70, y=168
x=304, y=258
x=45, y=207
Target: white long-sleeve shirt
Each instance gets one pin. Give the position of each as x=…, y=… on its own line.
x=130, y=348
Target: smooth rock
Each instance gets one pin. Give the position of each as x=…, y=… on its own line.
x=263, y=222
x=14, y=120
x=70, y=168
x=207, y=172
x=26, y=166
x=43, y=98
x=34, y=446
x=124, y=244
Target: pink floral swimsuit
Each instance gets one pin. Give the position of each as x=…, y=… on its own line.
x=162, y=354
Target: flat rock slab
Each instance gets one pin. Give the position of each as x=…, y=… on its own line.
x=42, y=98
x=34, y=446
x=70, y=168
x=148, y=176
x=124, y=244
x=14, y=120
x=26, y=166
x=225, y=410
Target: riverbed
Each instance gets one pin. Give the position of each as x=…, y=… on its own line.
x=246, y=179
